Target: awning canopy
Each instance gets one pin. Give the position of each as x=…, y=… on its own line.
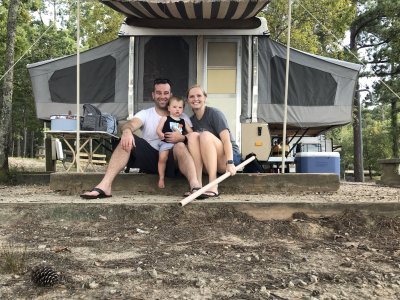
x=188, y=9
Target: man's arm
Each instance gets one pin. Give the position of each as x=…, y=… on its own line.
x=174, y=137
x=127, y=139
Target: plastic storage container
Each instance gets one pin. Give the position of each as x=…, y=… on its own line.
x=317, y=162
x=63, y=122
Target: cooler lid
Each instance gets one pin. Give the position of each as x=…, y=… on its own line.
x=317, y=154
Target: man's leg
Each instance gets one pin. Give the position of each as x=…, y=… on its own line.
x=118, y=161
x=194, y=149
x=186, y=164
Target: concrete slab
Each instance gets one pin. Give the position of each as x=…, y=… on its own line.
x=39, y=178
x=390, y=172
x=133, y=183
x=365, y=198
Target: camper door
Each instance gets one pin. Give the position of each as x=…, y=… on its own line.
x=221, y=73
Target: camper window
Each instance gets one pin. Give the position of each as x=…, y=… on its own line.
x=166, y=57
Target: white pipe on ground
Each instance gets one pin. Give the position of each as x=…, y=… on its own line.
x=214, y=182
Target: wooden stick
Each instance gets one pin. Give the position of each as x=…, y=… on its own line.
x=205, y=188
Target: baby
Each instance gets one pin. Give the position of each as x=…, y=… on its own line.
x=171, y=123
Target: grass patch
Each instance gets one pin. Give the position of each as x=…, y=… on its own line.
x=13, y=259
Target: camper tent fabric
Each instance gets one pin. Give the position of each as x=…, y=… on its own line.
x=180, y=67
x=320, y=89
x=104, y=81
x=188, y=9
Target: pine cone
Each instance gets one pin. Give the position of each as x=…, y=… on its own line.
x=44, y=276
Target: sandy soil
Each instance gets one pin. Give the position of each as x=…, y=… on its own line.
x=116, y=250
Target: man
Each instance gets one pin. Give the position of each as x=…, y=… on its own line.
x=143, y=152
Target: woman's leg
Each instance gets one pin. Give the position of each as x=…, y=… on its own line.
x=186, y=164
x=162, y=163
x=194, y=149
x=212, y=154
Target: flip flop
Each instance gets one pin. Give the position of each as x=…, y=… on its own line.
x=101, y=194
x=193, y=190
x=211, y=194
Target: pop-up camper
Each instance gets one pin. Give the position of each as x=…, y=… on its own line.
x=219, y=44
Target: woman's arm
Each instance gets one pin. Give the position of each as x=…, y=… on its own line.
x=226, y=142
x=188, y=128
x=160, y=128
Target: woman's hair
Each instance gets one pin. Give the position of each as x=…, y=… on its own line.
x=176, y=98
x=196, y=86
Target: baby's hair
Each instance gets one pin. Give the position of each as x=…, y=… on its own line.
x=176, y=98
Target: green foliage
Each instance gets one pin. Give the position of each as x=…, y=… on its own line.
x=375, y=30
x=343, y=136
x=315, y=24
x=100, y=24
x=376, y=139
x=35, y=42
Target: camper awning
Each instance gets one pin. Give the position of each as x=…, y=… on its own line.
x=143, y=13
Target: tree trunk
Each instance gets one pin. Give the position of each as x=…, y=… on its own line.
x=393, y=121
x=25, y=151
x=5, y=113
x=358, y=155
x=357, y=138
x=32, y=144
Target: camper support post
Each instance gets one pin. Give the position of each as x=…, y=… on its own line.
x=130, y=77
x=254, y=103
x=286, y=82
x=78, y=85
x=249, y=84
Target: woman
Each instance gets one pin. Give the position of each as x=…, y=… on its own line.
x=218, y=150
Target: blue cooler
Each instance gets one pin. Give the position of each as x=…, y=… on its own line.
x=317, y=162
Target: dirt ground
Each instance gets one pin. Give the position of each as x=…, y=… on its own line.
x=123, y=250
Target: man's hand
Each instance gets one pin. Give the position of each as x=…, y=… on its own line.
x=174, y=137
x=127, y=140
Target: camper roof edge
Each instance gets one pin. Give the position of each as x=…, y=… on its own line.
x=128, y=30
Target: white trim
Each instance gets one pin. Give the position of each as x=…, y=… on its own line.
x=131, y=59
x=249, y=81
x=127, y=30
x=254, y=94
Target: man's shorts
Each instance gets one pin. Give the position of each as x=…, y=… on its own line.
x=145, y=158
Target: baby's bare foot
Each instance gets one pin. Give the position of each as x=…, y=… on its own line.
x=161, y=183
